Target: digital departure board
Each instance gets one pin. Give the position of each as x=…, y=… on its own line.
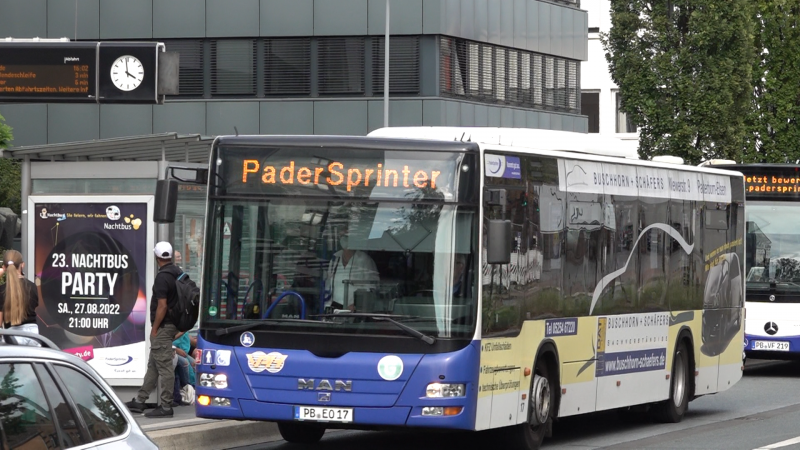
x=90, y=72
x=62, y=72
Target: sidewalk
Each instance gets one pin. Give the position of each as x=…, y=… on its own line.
x=185, y=430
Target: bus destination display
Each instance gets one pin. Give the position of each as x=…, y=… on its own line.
x=64, y=72
x=774, y=184
x=351, y=173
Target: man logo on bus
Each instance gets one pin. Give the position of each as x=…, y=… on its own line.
x=271, y=362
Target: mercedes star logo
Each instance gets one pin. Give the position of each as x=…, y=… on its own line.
x=772, y=298
x=771, y=328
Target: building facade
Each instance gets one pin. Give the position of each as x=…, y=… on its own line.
x=599, y=94
x=316, y=66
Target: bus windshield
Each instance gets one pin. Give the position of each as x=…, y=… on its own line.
x=342, y=264
x=773, y=245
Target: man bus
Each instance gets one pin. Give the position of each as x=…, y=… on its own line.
x=588, y=283
x=772, y=267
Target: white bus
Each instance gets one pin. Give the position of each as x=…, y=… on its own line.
x=772, y=268
x=514, y=277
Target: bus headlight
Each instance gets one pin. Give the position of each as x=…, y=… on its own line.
x=216, y=401
x=219, y=381
x=441, y=410
x=220, y=401
x=442, y=390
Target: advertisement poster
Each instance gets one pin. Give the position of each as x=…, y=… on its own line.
x=91, y=270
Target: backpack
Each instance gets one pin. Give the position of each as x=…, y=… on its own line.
x=186, y=310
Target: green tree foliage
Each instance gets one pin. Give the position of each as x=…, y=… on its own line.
x=685, y=73
x=775, y=135
x=10, y=183
x=5, y=133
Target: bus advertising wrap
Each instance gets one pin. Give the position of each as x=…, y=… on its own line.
x=91, y=272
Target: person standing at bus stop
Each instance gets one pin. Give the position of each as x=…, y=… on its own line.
x=18, y=298
x=165, y=295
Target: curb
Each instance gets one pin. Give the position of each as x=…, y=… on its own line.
x=211, y=434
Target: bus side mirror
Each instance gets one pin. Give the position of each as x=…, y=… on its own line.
x=166, y=201
x=498, y=242
x=201, y=176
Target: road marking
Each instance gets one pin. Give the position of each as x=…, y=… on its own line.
x=176, y=423
x=780, y=444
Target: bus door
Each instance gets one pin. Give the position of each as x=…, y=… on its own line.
x=582, y=270
x=720, y=290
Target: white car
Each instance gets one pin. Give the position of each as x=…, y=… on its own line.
x=51, y=399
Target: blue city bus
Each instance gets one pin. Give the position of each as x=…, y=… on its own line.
x=455, y=282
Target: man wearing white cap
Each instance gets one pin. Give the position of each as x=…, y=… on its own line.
x=165, y=295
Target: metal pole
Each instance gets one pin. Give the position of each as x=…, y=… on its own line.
x=25, y=192
x=386, y=71
x=76, y=20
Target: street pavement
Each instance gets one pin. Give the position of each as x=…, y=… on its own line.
x=186, y=431
x=761, y=412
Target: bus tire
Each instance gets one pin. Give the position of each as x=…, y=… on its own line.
x=673, y=410
x=300, y=433
x=529, y=435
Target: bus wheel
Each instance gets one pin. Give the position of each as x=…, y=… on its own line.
x=529, y=436
x=300, y=433
x=672, y=410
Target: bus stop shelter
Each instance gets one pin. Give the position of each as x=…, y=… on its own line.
x=88, y=234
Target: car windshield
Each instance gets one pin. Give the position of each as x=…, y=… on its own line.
x=773, y=244
x=322, y=261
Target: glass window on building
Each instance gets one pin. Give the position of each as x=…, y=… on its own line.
x=233, y=67
x=590, y=107
x=191, y=64
x=287, y=67
x=404, y=65
x=342, y=65
x=624, y=124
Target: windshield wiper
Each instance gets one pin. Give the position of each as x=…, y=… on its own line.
x=251, y=325
x=387, y=318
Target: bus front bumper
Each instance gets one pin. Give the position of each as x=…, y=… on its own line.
x=359, y=417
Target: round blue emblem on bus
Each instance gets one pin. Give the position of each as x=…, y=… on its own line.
x=247, y=339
